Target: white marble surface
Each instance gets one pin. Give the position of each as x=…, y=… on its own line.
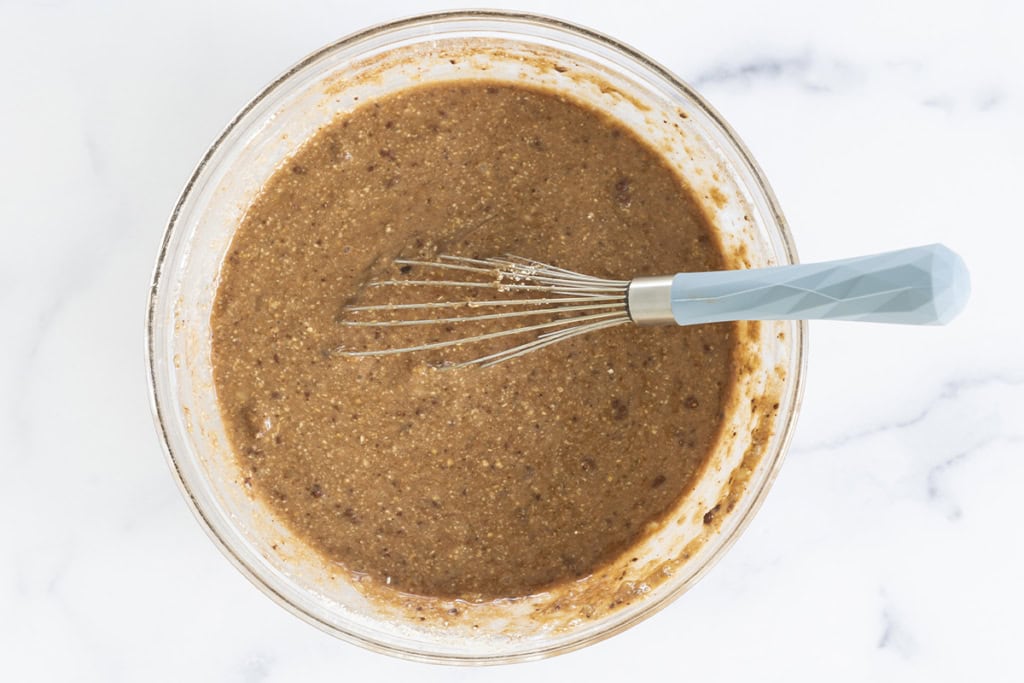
x=891, y=545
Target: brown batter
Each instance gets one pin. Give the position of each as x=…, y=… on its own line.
x=474, y=483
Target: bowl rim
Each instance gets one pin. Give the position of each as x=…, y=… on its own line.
x=160, y=412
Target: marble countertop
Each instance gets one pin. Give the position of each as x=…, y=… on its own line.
x=890, y=548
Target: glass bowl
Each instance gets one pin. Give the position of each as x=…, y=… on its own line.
x=591, y=68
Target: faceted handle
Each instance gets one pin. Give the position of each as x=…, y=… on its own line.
x=920, y=286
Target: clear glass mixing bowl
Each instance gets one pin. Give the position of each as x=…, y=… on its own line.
x=450, y=46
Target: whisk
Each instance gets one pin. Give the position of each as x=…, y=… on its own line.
x=927, y=285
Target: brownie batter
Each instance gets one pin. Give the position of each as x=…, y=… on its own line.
x=473, y=482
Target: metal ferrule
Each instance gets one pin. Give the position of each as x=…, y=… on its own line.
x=650, y=300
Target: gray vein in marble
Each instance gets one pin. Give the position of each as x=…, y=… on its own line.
x=936, y=492
x=256, y=669
x=95, y=156
x=74, y=275
x=804, y=70
x=941, y=102
x=895, y=636
x=936, y=489
x=992, y=99
x=74, y=272
x=821, y=75
x=150, y=501
x=937, y=464
x=752, y=70
x=61, y=568
x=983, y=101
x=82, y=625
x=22, y=371
x=950, y=390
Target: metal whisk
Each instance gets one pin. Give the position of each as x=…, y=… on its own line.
x=926, y=285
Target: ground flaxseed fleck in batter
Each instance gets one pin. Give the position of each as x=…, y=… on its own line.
x=477, y=482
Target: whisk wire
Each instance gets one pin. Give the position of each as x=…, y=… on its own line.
x=582, y=304
x=543, y=340
x=480, y=304
x=473, y=318
x=489, y=335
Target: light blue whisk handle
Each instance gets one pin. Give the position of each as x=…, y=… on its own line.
x=926, y=285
